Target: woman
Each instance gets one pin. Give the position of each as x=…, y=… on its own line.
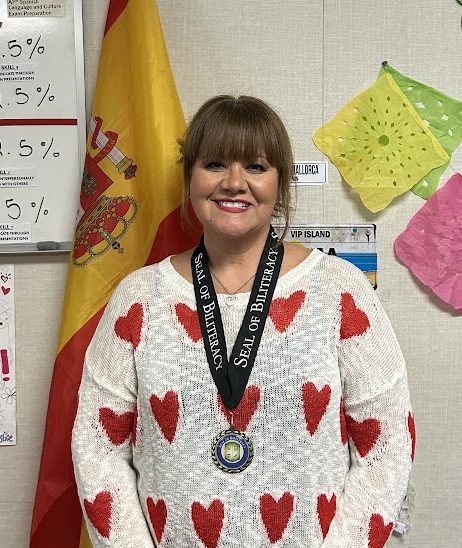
x=302, y=434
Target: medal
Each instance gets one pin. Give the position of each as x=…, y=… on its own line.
x=232, y=450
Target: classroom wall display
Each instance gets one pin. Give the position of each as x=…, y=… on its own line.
x=7, y=354
x=354, y=243
x=379, y=144
x=310, y=173
x=431, y=244
x=441, y=114
x=42, y=125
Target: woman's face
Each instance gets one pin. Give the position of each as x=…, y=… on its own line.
x=234, y=199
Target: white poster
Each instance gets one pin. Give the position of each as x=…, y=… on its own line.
x=42, y=120
x=7, y=351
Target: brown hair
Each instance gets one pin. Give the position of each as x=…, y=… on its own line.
x=239, y=129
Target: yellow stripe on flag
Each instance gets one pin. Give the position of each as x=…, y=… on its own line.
x=131, y=190
x=85, y=541
x=136, y=99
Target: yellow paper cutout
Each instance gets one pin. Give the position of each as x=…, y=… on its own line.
x=379, y=144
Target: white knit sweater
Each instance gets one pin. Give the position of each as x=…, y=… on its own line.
x=327, y=408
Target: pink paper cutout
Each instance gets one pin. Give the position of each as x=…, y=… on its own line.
x=431, y=244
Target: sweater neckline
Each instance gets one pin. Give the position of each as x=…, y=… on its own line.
x=185, y=287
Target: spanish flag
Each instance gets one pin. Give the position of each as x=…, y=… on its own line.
x=129, y=217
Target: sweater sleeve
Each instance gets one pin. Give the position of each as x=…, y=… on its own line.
x=376, y=419
x=105, y=428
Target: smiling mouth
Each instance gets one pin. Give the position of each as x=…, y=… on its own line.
x=234, y=205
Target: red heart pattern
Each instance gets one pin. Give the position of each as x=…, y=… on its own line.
x=315, y=403
x=326, y=512
x=6, y=290
x=189, y=319
x=343, y=428
x=118, y=427
x=378, y=531
x=128, y=327
x=364, y=434
x=158, y=516
x=245, y=410
x=353, y=321
x=166, y=412
x=208, y=522
x=411, y=428
x=99, y=512
x=275, y=514
x=282, y=310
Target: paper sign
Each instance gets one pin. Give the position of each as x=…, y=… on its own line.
x=18, y=177
x=7, y=357
x=354, y=243
x=14, y=233
x=18, y=72
x=36, y=8
x=310, y=173
x=42, y=120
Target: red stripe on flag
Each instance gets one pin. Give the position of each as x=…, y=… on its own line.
x=61, y=524
x=39, y=122
x=57, y=517
x=116, y=7
x=171, y=239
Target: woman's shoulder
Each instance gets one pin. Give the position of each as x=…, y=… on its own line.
x=145, y=277
x=294, y=255
x=344, y=280
x=182, y=264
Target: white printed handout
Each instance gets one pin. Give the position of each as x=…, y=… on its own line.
x=7, y=350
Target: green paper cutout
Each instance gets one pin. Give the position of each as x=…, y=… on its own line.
x=379, y=144
x=443, y=117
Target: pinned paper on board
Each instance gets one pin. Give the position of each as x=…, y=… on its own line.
x=7, y=351
x=379, y=144
x=356, y=243
x=431, y=244
x=441, y=114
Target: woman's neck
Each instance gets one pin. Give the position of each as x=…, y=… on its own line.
x=229, y=253
x=233, y=262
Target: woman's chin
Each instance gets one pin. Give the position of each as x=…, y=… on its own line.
x=233, y=230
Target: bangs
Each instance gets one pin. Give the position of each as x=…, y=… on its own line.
x=241, y=135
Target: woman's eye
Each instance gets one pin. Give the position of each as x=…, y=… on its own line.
x=215, y=165
x=256, y=168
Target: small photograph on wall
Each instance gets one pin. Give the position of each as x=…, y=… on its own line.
x=354, y=243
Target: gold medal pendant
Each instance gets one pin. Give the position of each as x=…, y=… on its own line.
x=232, y=451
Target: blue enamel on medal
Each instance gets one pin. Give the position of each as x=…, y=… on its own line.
x=232, y=450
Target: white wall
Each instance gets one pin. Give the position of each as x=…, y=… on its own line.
x=307, y=58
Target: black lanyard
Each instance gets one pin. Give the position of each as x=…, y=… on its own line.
x=232, y=377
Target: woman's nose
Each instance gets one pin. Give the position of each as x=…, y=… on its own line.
x=235, y=179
